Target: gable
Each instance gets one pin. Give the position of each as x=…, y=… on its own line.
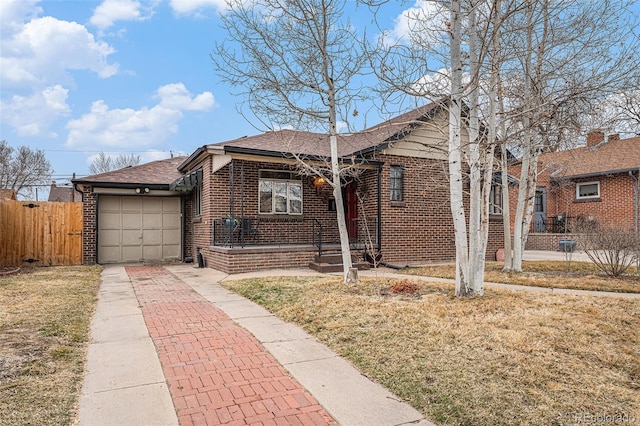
x=430, y=140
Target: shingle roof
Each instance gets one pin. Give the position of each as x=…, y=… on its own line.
x=610, y=157
x=7, y=194
x=160, y=172
x=63, y=194
x=317, y=144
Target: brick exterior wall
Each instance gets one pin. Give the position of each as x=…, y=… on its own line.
x=550, y=242
x=614, y=208
x=217, y=204
x=90, y=223
x=418, y=229
x=234, y=261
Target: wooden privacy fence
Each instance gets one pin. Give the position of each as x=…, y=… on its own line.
x=44, y=233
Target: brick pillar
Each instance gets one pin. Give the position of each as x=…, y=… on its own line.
x=89, y=232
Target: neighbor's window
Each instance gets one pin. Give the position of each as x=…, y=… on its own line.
x=495, y=199
x=397, y=183
x=587, y=190
x=280, y=192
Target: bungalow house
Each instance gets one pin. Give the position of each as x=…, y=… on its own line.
x=247, y=204
x=596, y=184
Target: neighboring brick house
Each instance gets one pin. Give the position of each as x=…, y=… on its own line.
x=248, y=205
x=7, y=194
x=596, y=183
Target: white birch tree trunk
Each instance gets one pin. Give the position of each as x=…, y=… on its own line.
x=455, y=156
x=477, y=208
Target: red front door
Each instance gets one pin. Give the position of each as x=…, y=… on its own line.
x=351, y=210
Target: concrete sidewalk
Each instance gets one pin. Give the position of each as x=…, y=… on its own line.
x=125, y=383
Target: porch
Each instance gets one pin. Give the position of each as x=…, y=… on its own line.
x=239, y=244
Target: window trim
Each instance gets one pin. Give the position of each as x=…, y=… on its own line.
x=392, y=179
x=289, y=182
x=587, y=197
x=495, y=193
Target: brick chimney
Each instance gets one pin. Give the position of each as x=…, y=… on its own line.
x=613, y=137
x=594, y=137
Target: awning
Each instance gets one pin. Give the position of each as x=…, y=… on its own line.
x=497, y=178
x=187, y=182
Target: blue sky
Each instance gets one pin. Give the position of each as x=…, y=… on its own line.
x=119, y=76
x=124, y=77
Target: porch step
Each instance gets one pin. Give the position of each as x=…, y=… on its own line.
x=333, y=258
x=325, y=267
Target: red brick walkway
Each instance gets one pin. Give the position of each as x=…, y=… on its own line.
x=217, y=372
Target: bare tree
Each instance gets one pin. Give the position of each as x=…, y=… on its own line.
x=104, y=163
x=565, y=57
x=447, y=53
x=618, y=113
x=23, y=169
x=295, y=62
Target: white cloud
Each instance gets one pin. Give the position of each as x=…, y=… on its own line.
x=128, y=127
x=423, y=22
x=36, y=56
x=110, y=11
x=32, y=115
x=189, y=7
x=44, y=49
x=178, y=97
x=13, y=13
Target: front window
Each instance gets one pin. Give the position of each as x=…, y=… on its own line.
x=495, y=199
x=280, y=192
x=587, y=190
x=397, y=183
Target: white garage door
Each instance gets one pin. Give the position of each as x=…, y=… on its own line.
x=136, y=229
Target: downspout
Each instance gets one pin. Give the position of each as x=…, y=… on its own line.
x=379, y=221
x=635, y=191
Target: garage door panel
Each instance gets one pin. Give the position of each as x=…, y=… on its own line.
x=171, y=220
x=171, y=205
x=130, y=204
x=131, y=237
x=110, y=254
x=152, y=252
x=137, y=228
x=152, y=205
x=110, y=237
x=110, y=220
x=131, y=221
x=152, y=221
x=171, y=251
x=152, y=237
x=132, y=254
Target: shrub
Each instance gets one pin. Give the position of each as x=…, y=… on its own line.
x=613, y=250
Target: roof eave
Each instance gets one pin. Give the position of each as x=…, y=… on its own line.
x=124, y=185
x=602, y=173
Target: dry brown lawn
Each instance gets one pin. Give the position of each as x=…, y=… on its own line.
x=44, y=323
x=550, y=274
x=502, y=359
